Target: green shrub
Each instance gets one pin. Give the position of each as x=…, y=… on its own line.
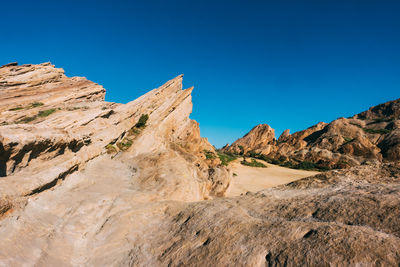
x=125, y=144
x=110, y=149
x=27, y=119
x=16, y=108
x=253, y=154
x=32, y=105
x=253, y=163
x=47, y=112
x=306, y=165
x=322, y=168
x=347, y=139
x=234, y=174
x=226, y=158
x=209, y=154
x=142, y=121
x=375, y=121
x=276, y=161
x=287, y=164
x=36, y=104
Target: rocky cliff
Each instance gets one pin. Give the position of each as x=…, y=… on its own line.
x=90, y=183
x=52, y=126
x=373, y=135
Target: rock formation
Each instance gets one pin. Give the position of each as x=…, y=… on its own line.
x=90, y=183
x=373, y=135
x=53, y=125
x=260, y=138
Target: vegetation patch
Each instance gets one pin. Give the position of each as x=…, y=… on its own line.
x=111, y=149
x=241, y=150
x=265, y=158
x=288, y=164
x=347, y=139
x=36, y=104
x=32, y=105
x=73, y=108
x=253, y=163
x=209, y=154
x=306, y=165
x=226, y=158
x=142, y=121
x=253, y=154
x=375, y=121
x=16, y=108
x=27, y=119
x=47, y=112
x=125, y=144
x=379, y=131
x=372, y=131
x=134, y=131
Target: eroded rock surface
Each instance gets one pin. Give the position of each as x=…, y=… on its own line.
x=97, y=184
x=71, y=124
x=261, y=137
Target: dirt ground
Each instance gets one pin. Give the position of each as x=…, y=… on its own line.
x=254, y=179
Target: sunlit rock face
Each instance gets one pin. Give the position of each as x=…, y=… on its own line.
x=371, y=136
x=86, y=182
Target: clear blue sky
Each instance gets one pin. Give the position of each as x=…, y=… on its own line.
x=290, y=64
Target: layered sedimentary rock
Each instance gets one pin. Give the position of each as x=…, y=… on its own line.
x=261, y=137
x=91, y=183
x=373, y=135
x=69, y=124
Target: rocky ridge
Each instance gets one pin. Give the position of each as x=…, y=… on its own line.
x=373, y=135
x=78, y=125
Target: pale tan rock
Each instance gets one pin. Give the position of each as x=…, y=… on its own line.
x=38, y=154
x=21, y=87
x=72, y=194
x=261, y=136
x=284, y=136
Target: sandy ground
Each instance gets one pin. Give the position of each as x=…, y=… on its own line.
x=254, y=179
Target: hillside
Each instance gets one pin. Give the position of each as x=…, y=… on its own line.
x=371, y=136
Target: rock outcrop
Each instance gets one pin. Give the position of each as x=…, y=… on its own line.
x=373, y=135
x=260, y=137
x=336, y=218
x=53, y=125
x=90, y=183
